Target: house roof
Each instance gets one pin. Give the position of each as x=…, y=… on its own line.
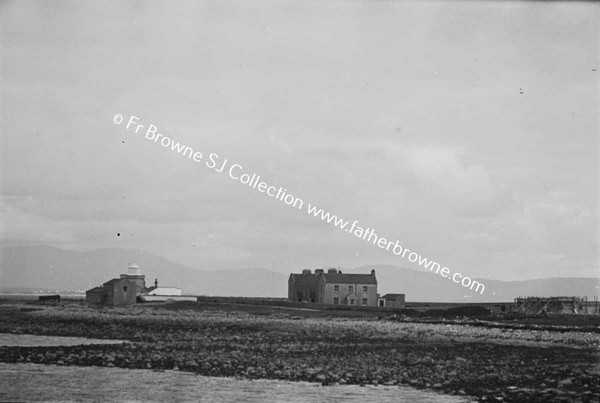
x=334, y=278
x=350, y=278
x=305, y=278
x=95, y=289
x=114, y=280
x=390, y=296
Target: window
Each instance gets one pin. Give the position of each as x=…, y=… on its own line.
x=365, y=301
x=336, y=301
x=336, y=288
x=124, y=288
x=365, y=288
x=351, y=288
x=352, y=301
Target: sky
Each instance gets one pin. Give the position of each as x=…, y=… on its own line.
x=468, y=131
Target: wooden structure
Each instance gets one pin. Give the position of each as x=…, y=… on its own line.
x=556, y=305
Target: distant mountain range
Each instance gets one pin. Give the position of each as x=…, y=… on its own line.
x=47, y=267
x=53, y=268
x=426, y=286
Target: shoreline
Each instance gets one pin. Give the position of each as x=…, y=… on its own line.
x=457, y=360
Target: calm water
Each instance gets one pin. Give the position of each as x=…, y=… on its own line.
x=28, y=340
x=49, y=383
x=35, y=297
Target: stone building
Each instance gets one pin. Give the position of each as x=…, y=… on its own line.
x=392, y=301
x=333, y=288
x=119, y=291
x=95, y=295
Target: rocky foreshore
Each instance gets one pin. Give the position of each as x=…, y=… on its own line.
x=453, y=359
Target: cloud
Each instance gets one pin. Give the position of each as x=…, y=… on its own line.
x=537, y=238
x=442, y=178
x=23, y=227
x=427, y=139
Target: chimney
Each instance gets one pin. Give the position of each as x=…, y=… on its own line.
x=155, y=283
x=373, y=272
x=319, y=271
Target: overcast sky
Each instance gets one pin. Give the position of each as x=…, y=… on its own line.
x=468, y=131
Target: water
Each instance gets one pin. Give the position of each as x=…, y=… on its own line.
x=50, y=383
x=28, y=340
x=36, y=296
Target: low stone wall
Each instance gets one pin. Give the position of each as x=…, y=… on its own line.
x=284, y=302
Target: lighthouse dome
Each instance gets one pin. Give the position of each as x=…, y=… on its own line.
x=134, y=269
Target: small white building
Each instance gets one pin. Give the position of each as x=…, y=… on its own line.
x=167, y=291
x=162, y=294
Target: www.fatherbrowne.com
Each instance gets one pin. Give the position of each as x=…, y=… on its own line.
x=369, y=235
x=236, y=172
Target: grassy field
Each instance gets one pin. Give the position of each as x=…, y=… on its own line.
x=488, y=314
x=330, y=347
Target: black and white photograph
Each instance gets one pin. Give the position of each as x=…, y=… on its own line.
x=299, y=201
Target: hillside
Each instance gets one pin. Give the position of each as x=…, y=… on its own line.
x=427, y=286
x=47, y=267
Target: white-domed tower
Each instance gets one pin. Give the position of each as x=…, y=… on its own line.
x=134, y=273
x=134, y=270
